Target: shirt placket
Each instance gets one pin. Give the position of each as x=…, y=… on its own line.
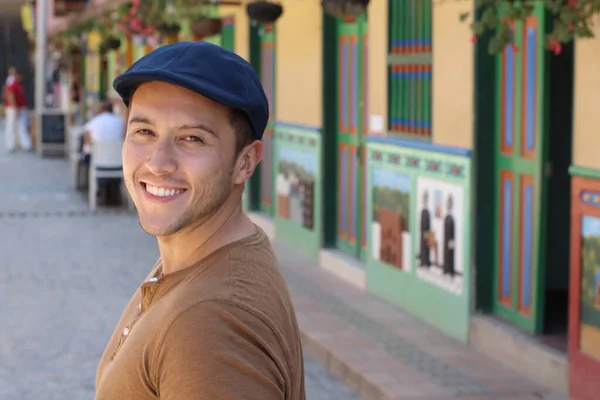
x=147, y=292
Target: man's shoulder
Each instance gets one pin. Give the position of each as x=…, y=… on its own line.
x=247, y=277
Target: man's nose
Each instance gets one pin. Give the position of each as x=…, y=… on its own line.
x=162, y=160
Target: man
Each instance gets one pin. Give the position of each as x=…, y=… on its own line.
x=449, y=232
x=15, y=105
x=214, y=318
x=424, y=251
x=103, y=127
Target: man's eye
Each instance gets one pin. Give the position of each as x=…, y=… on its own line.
x=144, y=132
x=193, y=139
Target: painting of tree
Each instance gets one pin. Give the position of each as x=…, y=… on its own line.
x=391, y=190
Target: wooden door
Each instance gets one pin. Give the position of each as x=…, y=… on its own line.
x=352, y=119
x=519, y=175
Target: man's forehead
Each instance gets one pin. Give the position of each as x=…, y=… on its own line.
x=172, y=96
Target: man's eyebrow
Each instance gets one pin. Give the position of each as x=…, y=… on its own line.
x=140, y=120
x=202, y=127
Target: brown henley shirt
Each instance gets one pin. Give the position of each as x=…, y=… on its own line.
x=222, y=329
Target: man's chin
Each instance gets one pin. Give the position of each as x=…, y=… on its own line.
x=161, y=228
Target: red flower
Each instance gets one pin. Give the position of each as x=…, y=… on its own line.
x=556, y=47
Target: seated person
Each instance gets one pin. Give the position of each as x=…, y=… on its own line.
x=105, y=126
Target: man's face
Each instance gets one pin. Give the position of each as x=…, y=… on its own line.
x=178, y=157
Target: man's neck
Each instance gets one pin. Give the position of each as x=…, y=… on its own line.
x=191, y=245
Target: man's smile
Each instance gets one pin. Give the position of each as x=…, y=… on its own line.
x=161, y=192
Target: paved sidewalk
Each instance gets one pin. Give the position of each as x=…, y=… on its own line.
x=383, y=353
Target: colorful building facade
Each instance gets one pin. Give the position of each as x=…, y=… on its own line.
x=405, y=159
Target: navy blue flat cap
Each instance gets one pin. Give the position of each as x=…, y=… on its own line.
x=206, y=69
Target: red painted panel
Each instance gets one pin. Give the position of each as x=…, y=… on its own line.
x=526, y=180
x=352, y=88
x=341, y=178
x=364, y=198
x=530, y=22
x=505, y=300
x=352, y=181
x=504, y=148
x=341, y=83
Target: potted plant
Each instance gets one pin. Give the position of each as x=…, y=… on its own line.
x=569, y=20
x=264, y=11
x=345, y=8
x=206, y=26
x=168, y=29
x=111, y=43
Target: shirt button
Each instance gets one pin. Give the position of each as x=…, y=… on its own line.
x=125, y=331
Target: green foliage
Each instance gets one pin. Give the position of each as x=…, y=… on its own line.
x=287, y=167
x=149, y=13
x=571, y=19
x=394, y=199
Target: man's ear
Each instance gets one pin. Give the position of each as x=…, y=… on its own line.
x=247, y=161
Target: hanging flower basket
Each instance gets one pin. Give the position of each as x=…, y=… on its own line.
x=204, y=27
x=264, y=11
x=345, y=8
x=112, y=43
x=168, y=29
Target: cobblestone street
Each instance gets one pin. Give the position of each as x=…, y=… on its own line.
x=65, y=276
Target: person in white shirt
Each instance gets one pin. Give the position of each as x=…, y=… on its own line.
x=105, y=126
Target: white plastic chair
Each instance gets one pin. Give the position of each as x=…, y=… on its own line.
x=106, y=162
x=74, y=156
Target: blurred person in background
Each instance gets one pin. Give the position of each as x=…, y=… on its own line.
x=15, y=106
x=105, y=126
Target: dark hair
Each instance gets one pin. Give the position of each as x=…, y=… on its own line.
x=107, y=106
x=243, y=131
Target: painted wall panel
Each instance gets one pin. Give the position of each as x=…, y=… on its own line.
x=299, y=64
x=453, y=68
x=584, y=295
x=586, y=118
x=419, y=211
x=377, y=53
x=298, y=187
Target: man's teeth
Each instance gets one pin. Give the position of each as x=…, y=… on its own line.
x=162, y=192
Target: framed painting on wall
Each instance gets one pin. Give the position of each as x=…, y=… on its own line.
x=439, y=248
x=584, y=296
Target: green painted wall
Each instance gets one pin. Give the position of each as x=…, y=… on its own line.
x=297, y=165
x=584, y=172
x=397, y=178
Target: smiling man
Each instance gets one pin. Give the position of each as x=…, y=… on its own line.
x=213, y=320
